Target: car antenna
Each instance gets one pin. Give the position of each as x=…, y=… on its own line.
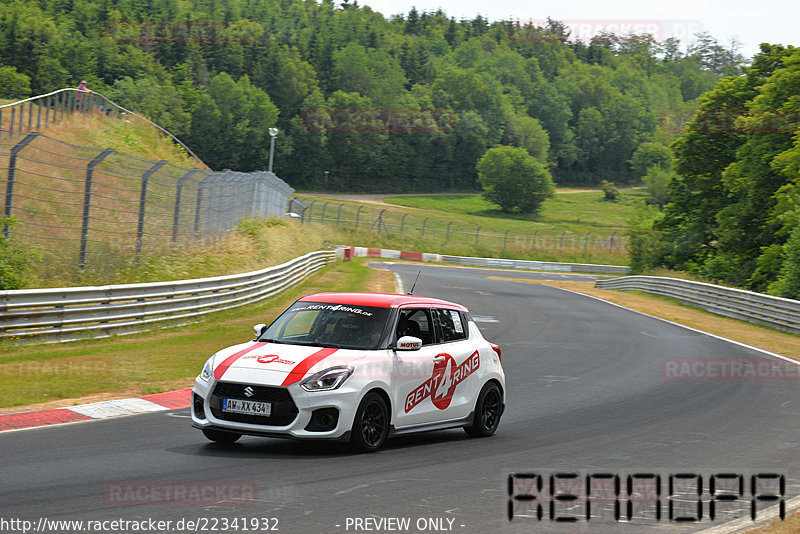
x=414, y=284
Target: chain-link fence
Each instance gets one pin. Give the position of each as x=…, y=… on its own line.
x=451, y=231
x=77, y=205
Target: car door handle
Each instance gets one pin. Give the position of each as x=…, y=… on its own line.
x=438, y=359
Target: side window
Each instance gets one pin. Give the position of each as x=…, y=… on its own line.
x=452, y=324
x=416, y=323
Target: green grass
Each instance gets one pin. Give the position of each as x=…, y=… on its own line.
x=149, y=362
x=575, y=230
x=567, y=212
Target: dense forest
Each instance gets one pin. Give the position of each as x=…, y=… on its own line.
x=734, y=213
x=406, y=103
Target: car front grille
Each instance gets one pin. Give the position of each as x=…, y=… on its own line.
x=283, y=411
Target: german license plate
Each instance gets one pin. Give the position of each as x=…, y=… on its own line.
x=246, y=407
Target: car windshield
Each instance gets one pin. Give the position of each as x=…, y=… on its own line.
x=329, y=325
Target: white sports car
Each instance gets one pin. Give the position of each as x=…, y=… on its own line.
x=354, y=366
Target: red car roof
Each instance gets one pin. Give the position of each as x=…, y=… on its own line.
x=382, y=300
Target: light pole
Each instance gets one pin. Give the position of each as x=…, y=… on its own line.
x=326, y=178
x=273, y=133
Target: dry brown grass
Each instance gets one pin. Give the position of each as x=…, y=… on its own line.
x=129, y=134
x=790, y=525
x=750, y=334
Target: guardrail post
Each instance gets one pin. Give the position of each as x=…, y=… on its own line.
x=423, y=226
x=176, y=213
x=611, y=242
x=311, y=210
x=30, y=114
x=87, y=201
x=403, y=223
x=358, y=213
x=323, y=211
x=477, y=233
x=143, y=201
x=39, y=115
x=339, y=213
x=13, y=116
x=12, y=174
x=447, y=235
x=505, y=240
x=47, y=111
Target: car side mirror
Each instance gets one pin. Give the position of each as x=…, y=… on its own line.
x=408, y=343
x=259, y=329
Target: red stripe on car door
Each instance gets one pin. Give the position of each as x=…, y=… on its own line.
x=221, y=368
x=302, y=368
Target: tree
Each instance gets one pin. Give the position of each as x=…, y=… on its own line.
x=527, y=132
x=14, y=84
x=513, y=179
x=160, y=102
x=648, y=155
x=229, y=126
x=657, y=181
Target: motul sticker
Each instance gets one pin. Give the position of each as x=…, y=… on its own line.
x=442, y=384
x=269, y=358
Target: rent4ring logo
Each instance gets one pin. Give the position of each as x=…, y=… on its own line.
x=443, y=382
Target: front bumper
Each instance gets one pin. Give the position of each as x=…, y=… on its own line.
x=292, y=409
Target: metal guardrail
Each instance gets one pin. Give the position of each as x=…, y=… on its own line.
x=537, y=265
x=493, y=263
x=777, y=312
x=68, y=314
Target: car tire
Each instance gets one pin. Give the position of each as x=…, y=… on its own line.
x=371, y=424
x=488, y=410
x=223, y=438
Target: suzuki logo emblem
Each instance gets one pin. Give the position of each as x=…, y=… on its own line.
x=248, y=391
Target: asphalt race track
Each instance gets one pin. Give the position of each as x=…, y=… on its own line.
x=589, y=392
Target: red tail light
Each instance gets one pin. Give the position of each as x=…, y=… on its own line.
x=496, y=348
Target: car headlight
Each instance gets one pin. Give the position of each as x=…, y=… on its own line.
x=208, y=370
x=327, y=380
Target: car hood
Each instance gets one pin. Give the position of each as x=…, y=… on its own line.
x=276, y=363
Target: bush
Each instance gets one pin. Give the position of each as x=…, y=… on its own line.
x=513, y=179
x=657, y=181
x=610, y=191
x=14, y=260
x=254, y=226
x=645, y=242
